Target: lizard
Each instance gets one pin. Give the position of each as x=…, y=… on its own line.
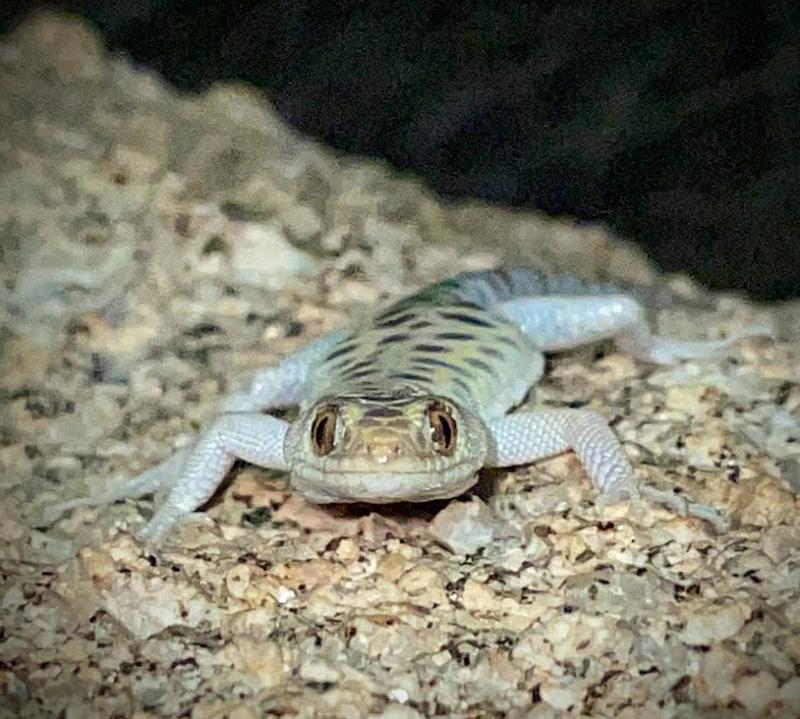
x=410, y=405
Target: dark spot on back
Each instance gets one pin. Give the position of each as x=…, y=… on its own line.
x=411, y=376
x=393, y=320
x=507, y=341
x=458, y=336
x=420, y=325
x=391, y=339
x=467, y=305
x=466, y=319
x=340, y=351
x=349, y=366
x=462, y=385
x=489, y=351
x=434, y=362
x=478, y=364
x=363, y=364
x=431, y=348
x=350, y=375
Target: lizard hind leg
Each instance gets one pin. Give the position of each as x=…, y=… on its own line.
x=150, y=481
x=560, y=322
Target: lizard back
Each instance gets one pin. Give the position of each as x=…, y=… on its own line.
x=444, y=340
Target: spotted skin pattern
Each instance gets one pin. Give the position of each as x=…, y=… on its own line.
x=413, y=403
x=458, y=350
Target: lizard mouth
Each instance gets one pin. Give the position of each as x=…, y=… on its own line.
x=374, y=486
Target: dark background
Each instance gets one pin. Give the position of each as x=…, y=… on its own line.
x=674, y=122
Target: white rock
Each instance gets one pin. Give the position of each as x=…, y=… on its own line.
x=302, y=222
x=789, y=695
x=317, y=670
x=263, y=257
x=93, y=419
x=715, y=625
x=464, y=527
x=755, y=692
x=561, y=696
x=398, y=695
x=284, y=595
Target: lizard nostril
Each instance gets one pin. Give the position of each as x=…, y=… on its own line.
x=382, y=452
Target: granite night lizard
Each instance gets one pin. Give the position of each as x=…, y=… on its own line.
x=410, y=405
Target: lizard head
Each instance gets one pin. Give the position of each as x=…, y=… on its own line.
x=385, y=449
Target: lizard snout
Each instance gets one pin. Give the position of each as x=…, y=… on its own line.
x=382, y=444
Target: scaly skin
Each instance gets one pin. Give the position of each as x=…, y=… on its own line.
x=411, y=405
x=432, y=347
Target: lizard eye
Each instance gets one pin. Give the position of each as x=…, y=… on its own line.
x=323, y=431
x=443, y=429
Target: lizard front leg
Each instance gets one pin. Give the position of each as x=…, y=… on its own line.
x=272, y=387
x=193, y=473
x=525, y=437
x=255, y=438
